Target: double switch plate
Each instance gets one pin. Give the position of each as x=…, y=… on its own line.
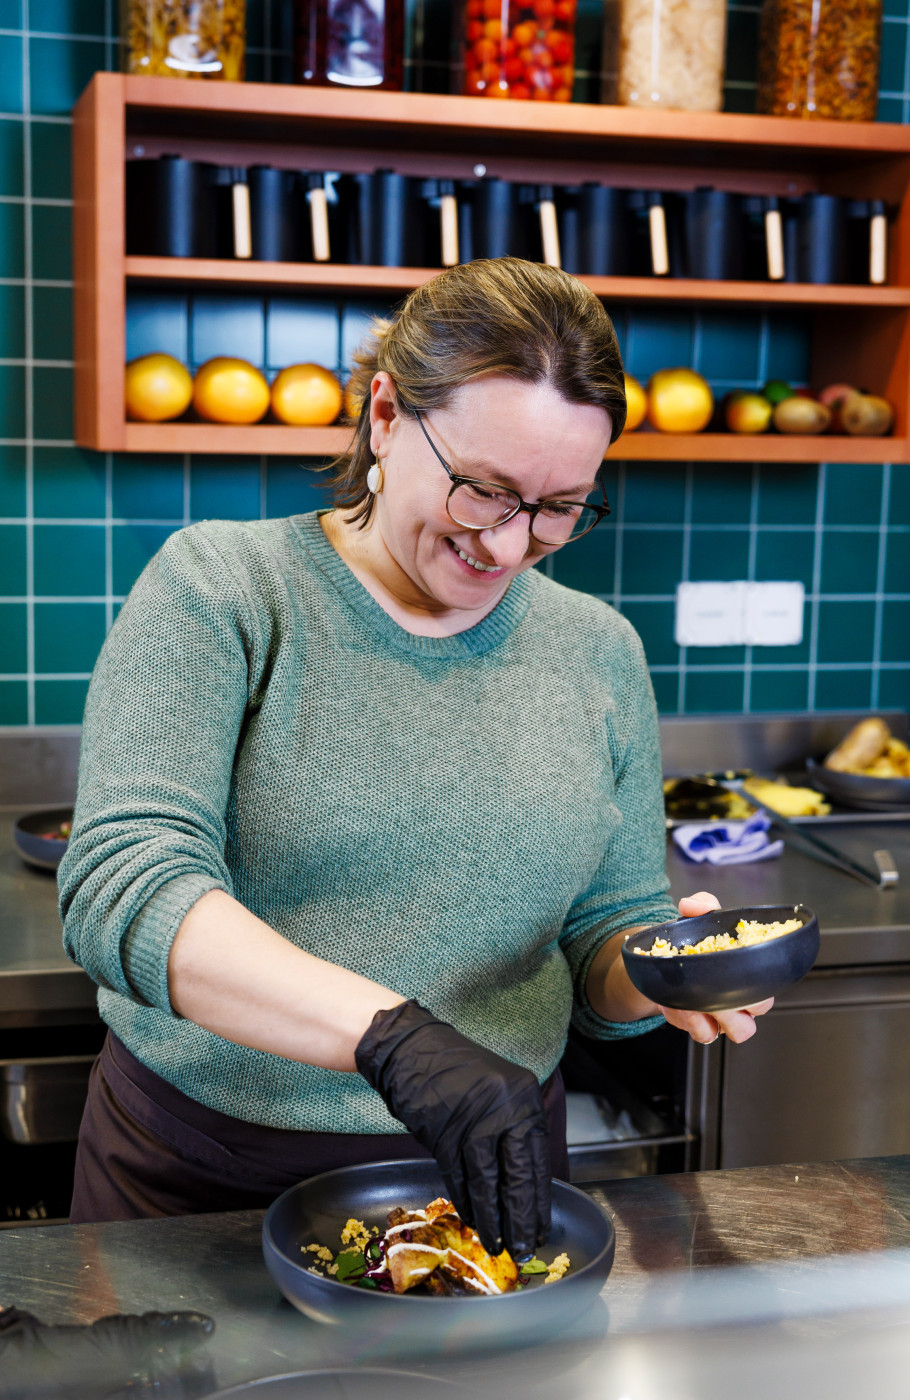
x=739, y=614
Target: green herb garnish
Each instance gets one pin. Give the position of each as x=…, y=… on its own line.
x=351, y=1264
x=534, y=1266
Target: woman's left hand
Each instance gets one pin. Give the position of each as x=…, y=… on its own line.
x=704, y=1029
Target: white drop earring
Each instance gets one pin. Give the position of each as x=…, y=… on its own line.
x=375, y=478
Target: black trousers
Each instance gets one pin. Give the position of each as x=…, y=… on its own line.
x=146, y=1149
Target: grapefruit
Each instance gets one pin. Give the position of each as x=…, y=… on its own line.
x=227, y=390
x=307, y=396
x=679, y=401
x=158, y=388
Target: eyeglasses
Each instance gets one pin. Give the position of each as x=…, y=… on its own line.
x=484, y=505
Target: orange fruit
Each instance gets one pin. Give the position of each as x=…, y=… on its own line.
x=636, y=404
x=158, y=387
x=352, y=401
x=227, y=390
x=307, y=396
x=679, y=401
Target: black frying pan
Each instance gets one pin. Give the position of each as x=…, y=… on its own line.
x=315, y=1212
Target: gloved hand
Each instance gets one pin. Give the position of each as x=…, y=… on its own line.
x=156, y=1352
x=481, y=1116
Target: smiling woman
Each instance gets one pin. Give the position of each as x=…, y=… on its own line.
x=366, y=801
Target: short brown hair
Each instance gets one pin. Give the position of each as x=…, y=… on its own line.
x=501, y=316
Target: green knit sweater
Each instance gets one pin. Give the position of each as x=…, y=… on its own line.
x=464, y=819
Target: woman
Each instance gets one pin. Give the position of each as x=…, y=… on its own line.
x=342, y=768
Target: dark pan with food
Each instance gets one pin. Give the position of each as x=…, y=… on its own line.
x=316, y=1211
x=860, y=790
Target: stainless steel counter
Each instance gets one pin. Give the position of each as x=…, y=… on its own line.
x=802, y=1254
x=37, y=980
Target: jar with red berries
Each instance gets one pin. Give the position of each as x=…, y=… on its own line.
x=519, y=48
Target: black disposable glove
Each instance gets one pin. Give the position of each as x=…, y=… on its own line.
x=155, y=1354
x=481, y=1116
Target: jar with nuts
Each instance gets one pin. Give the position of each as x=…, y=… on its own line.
x=820, y=58
x=184, y=38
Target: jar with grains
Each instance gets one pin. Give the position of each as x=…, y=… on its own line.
x=820, y=58
x=665, y=53
x=184, y=38
x=519, y=48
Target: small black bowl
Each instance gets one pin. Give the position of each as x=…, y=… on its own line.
x=315, y=1212
x=730, y=979
x=860, y=790
x=44, y=852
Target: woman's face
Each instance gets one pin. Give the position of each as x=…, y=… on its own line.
x=523, y=436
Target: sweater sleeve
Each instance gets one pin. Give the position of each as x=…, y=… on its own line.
x=631, y=885
x=165, y=708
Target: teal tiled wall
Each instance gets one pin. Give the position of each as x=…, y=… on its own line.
x=76, y=527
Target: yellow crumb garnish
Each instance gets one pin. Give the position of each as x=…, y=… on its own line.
x=561, y=1265
x=355, y=1233
x=747, y=932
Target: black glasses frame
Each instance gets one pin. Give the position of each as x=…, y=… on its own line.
x=456, y=480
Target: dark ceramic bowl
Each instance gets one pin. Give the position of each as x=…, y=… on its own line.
x=44, y=852
x=859, y=790
x=733, y=978
x=315, y=1212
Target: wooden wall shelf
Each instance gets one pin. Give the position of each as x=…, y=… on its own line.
x=860, y=334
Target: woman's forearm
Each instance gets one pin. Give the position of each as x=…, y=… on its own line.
x=235, y=976
x=608, y=989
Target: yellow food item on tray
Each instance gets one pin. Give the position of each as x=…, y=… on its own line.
x=871, y=750
x=788, y=801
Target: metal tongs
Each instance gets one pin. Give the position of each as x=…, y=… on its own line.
x=883, y=877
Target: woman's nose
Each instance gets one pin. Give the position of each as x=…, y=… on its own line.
x=508, y=544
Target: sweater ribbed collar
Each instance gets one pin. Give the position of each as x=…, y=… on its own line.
x=475, y=641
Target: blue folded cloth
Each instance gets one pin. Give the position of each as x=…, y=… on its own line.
x=728, y=843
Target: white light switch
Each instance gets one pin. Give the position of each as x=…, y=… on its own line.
x=709, y=614
x=774, y=614
x=737, y=613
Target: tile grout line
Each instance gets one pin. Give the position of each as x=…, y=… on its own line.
x=29, y=405
x=880, y=575
x=814, y=607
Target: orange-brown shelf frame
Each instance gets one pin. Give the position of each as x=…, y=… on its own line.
x=861, y=334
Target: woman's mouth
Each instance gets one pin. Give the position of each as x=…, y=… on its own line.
x=476, y=564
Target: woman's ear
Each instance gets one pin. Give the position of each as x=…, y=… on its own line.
x=383, y=411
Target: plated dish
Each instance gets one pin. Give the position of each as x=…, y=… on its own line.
x=41, y=837
x=728, y=977
x=317, y=1211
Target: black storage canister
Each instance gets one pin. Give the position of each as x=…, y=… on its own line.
x=714, y=235
x=821, y=239
x=171, y=208
x=277, y=228
x=501, y=226
x=383, y=217
x=594, y=234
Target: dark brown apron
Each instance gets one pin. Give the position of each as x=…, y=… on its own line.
x=146, y=1149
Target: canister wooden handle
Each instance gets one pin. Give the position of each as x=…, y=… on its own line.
x=319, y=223
x=549, y=233
x=774, y=243
x=243, y=230
x=878, y=249
x=448, y=225
x=660, y=258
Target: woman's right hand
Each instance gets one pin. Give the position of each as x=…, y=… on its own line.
x=481, y=1116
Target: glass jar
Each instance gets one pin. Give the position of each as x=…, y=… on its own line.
x=187, y=39
x=820, y=58
x=520, y=48
x=669, y=53
x=349, y=43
